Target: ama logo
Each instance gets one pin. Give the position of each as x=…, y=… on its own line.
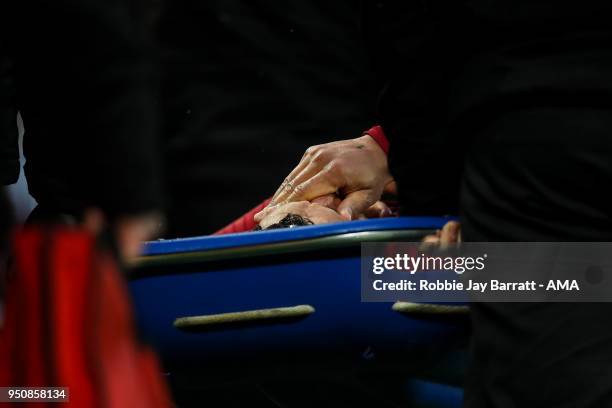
x=562, y=285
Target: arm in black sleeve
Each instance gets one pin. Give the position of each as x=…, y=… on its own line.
x=87, y=91
x=418, y=47
x=9, y=150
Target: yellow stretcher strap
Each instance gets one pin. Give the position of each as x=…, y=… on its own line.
x=247, y=316
x=429, y=309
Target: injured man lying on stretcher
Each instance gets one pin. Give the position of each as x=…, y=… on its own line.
x=322, y=210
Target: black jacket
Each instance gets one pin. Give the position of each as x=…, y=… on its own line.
x=453, y=66
x=501, y=110
x=86, y=90
x=9, y=151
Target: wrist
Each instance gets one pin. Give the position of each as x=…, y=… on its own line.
x=378, y=158
x=370, y=143
x=378, y=135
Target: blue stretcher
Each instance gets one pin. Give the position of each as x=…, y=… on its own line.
x=287, y=302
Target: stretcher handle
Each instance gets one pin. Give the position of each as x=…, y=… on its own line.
x=422, y=309
x=239, y=318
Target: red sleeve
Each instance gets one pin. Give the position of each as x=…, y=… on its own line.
x=244, y=223
x=377, y=133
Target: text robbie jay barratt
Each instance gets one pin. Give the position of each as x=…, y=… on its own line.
x=492, y=285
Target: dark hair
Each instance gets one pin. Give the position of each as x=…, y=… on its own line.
x=290, y=221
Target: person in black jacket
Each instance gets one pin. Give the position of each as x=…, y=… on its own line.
x=86, y=88
x=500, y=111
x=9, y=149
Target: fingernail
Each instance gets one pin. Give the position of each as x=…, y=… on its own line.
x=348, y=214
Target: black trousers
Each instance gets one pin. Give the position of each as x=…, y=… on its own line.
x=540, y=174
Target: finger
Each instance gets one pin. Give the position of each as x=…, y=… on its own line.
x=356, y=203
x=391, y=188
x=304, y=162
x=289, y=179
x=378, y=210
x=450, y=233
x=260, y=215
x=431, y=239
x=307, y=173
x=322, y=183
x=263, y=213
